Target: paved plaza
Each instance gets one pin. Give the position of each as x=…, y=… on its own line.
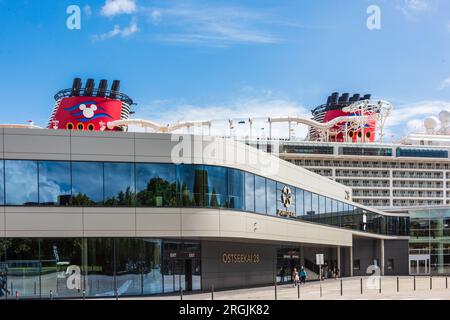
x=425, y=289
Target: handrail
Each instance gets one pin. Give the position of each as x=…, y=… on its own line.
x=66, y=93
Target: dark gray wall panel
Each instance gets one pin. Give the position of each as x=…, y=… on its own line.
x=236, y=275
x=398, y=250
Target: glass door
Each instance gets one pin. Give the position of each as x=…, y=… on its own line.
x=419, y=264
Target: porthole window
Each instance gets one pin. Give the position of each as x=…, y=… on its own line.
x=69, y=126
x=91, y=127
x=80, y=126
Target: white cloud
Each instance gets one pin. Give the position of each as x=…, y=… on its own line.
x=417, y=5
x=213, y=25
x=445, y=84
x=155, y=16
x=242, y=108
x=408, y=118
x=118, y=31
x=411, y=8
x=115, y=7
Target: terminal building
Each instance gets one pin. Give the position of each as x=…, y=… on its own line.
x=89, y=208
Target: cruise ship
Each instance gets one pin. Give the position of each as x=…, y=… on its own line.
x=412, y=172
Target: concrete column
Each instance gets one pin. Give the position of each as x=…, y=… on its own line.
x=302, y=256
x=338, y=258
x=382, y=257
x=439, y=235
x=440, y=259
x=351, y=260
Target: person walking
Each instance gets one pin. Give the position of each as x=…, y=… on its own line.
x=3, y=284
x=303, y=275
x=295, y=277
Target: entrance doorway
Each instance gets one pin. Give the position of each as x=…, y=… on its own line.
x=182, y=274
x=419, y=264
x=287, y=261
x=181, y=266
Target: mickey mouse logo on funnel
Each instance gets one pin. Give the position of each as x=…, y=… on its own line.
x=88, y=112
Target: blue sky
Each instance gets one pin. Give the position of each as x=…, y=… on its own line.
x=217, y=59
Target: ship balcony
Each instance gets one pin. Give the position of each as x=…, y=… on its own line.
x=415, y=187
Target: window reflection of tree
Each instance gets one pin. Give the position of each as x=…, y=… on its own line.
x=126, y=198
x=159, y=192
x=82, y=199
x=195, y=196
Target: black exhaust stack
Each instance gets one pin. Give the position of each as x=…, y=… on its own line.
x=89, y=90
x=102, y=87
x=76, y=87
x=114, y=89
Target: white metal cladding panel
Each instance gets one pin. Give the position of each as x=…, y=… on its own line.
x=170, y=222
x=2, y=221
x=121, y=220
x=34, y=142
x=29, y=221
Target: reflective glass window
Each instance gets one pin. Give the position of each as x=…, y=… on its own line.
x=308, y=203
x=249, y=192
x=119, y=184
x=329, y=209
x=129, y=266
x=191, y=181
x=61, y=267
x=260, y=195
x=156, y=185
x=340, y=208
x=21, y=182
x=23, y=267
x=173, y=266
x=271, y=198
x=87, y=183
x=299, y=202
x=54, y=183
x=150, y=260
x=335, y=211
x=2, y=183
x=315, y=203
x=216, y=186
x=99, y=267
x=322, y=205
x=236, y=189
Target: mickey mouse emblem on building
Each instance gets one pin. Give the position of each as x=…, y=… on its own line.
x=88, y=112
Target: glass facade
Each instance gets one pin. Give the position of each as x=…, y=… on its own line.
x=101, y=267
x=430, y=241
x=21, y=183
x=119, y=184
x=236, y=189
x=422, y=153
x=378, y=152
x=260, y=195
x=156, y=185
x=63, y=183
x=54, y=183
x=87, y=183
